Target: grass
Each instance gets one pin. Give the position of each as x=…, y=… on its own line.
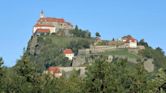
x=121, y=52
x=62, y=41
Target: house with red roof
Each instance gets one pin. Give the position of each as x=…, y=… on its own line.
x=129, y=41
x=69, y=54
x=51, y=25
x=55, y=71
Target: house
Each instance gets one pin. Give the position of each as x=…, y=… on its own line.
x=132, y=43
x=55, y=71
x=125, y=38
x=112, y=44
x=69, y=54
x=53, y=24
x=98, y=41
x=129, y=41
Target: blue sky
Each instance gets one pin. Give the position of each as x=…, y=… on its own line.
x=112, y=18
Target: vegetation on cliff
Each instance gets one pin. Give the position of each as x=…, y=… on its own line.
x=118, y=76
x=48, y=50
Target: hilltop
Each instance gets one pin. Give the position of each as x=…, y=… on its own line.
x=61, y=58
x=47, y=51
x=56, y=43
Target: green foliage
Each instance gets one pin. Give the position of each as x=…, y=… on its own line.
x=98, y=34
x=142, y=42
x=80, y=33
x=49, y=50
x=1, y=66
x=158, y=83
x=1, y=73
x=75, y=45
x=119, y=76
x=1, y=62
x=101, y=77
x=156, y=54
x=27, y=69
x=116, y=77
x=100, y=43
x=95, y=80
x=122, y=53
x=73, y=84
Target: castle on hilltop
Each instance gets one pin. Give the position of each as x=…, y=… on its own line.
x=49, y=25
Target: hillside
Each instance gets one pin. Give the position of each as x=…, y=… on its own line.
x=47, y=50
x=52, y=36
x=99, y=68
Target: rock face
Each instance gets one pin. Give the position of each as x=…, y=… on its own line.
x=148, y=65
x=110, y=58
x=79, y=60
x=32, y=45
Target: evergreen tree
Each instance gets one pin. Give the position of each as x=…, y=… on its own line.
x=142, y=42
x=1, y=66
x=98, y=34
x=115, y=77
x=27, y=76
x=1, y=73
x=160, y=50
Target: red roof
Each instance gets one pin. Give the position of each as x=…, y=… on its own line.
x=126, y=37
x=68, y=51
x=130, y=40
x=54, y=69
x=49, y=19
x=43, y=30
x=98, y=39
x=43, y=25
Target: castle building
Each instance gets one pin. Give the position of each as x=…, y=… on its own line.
x=51, y=25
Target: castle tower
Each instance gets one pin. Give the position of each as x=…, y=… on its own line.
x=42, y=14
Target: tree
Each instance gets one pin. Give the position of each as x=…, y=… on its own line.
x=95, y=80
x=158, y=83
x=76, y=28
x=1, y=73
x=98, y=34
x=25, y=68
x=115, y=77
x=113, y=39
x=26, y=76
x=142, y=42
x=156, y=54
x=1, y=68
x=76, y=32
x=72, y=84
x=88, y=34
x=160, y=50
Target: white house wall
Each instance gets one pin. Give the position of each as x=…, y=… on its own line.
x=133, y=44
x=70, y=56
x=52, y=29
